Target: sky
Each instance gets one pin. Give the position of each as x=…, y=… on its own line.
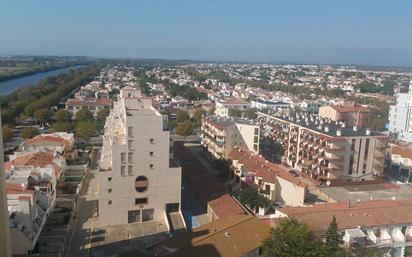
x=371, y=32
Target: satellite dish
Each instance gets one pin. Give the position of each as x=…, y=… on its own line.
x=328, y=183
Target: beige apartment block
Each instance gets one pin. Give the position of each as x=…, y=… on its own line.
x=221, y=135
x=137, y=180
x=329, y=151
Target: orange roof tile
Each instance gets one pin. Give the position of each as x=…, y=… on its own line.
x=365, y=214
x=403, y=152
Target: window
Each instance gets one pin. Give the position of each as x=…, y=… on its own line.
x=256, y=131
x=130, y=157
x=139, y=201
x=366, y=149
x=151, y=153
x=141, y=183
x=109, y=190
x=147, y=215
x=130, y=170
x=352, y=147
x=123, y=157
x=109, y=179
x=151, y=166
x=109, y=202
x=130, y=131
x=130, y=145
x=152, y=140
x=133, y=216
x=123, y=171
x=351, y=164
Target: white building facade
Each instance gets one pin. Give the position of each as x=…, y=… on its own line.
x=137, y=183
x=400, y=116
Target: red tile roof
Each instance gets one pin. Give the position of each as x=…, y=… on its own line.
x=225, y=205
x=403, y=152
x=262, y=168
x=365, y=214
x=350, y=108
x=37, y=159
x=12, y=188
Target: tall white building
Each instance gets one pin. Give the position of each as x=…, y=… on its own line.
x=137, y=182
x=400, y=116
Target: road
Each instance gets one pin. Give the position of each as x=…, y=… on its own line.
x=81, y=237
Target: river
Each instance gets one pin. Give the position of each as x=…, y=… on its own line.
x=9, y=86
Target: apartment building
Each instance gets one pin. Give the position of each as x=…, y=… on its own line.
x=328, y=151
x=5, y=240
x=273, y=181
x=383, y=226
x=94, y=105
x=138, y=182
x=221, y=135
x=400, y=163
x=62, y=142
x=222, y=107
x=350, y=113
x=400, y=116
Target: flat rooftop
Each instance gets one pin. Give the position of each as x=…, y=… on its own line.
x=324, y=126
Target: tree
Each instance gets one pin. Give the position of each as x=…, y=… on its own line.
x=7, y=134
x=62, y=127
x=197, y=118
x=271, y=149
x=182, y=116
x=184, y=128
x=291, y=238
x=84, y=115
x=42, y=115
x=102, y=115
x=250, y=113
x=29, y=132
x=248, y=196
x=223, y=167
x=61, y=115
x=85, y=129
x=235, y=113
x=333, y=240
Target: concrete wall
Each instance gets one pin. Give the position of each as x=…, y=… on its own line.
x=289, y=194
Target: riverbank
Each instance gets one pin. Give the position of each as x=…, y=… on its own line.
x=25, y=100
x=9, y=86
x=30, y=72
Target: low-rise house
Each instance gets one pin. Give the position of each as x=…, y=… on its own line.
x=73, y=105
x=62, y=142
x=383, y=224
x=223, y=106
x=400, y=163
x=231, y=236
x=350, y=113
x=272, y=181
x=220, y=135
x=31, y=179
x=179, y=103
